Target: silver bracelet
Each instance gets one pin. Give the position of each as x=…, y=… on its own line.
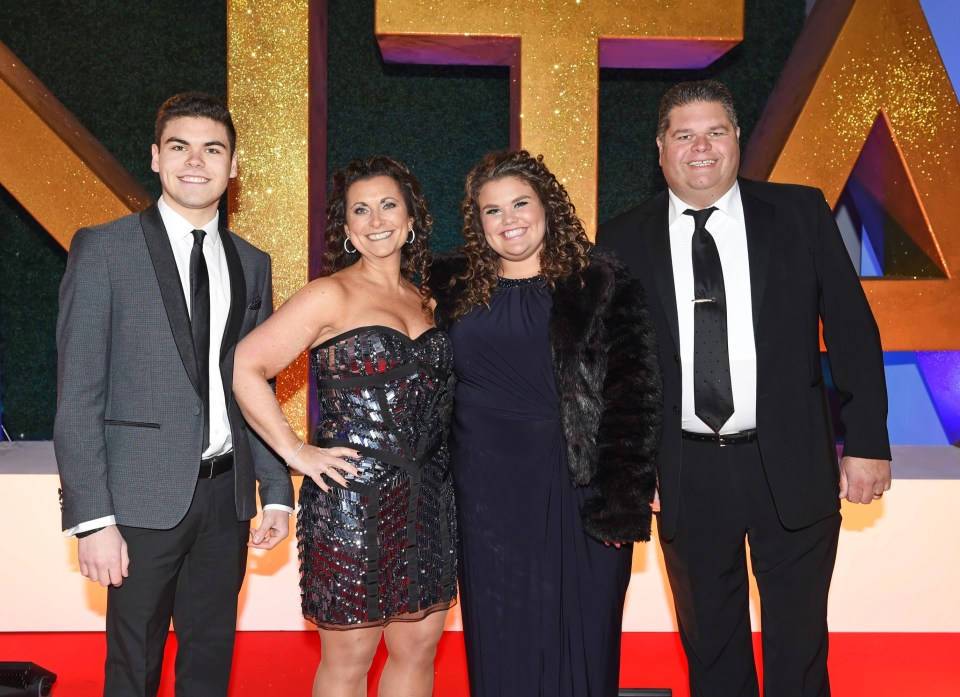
x=291, y=460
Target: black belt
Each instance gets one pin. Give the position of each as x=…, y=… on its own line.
x=740, y=438
x=215, y=466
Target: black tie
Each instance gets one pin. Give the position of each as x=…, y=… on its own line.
x=200, y=324
x=712, y=392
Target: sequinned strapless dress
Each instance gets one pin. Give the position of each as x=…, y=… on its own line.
x=383, y=549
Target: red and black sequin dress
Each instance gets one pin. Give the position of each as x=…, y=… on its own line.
x=385, y=548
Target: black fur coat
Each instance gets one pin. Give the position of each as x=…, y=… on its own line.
x=608, y=377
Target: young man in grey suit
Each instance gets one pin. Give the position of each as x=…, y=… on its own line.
x=158, y=468
x=739, y=275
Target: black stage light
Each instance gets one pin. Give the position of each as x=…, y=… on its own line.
x=646, y=692
x=19, y=678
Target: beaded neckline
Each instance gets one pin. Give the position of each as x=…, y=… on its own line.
x=514, y=282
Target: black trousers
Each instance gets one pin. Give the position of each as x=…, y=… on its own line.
x=725, y=500
x=192, y=574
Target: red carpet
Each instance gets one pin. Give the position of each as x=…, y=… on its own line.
x=282, y=663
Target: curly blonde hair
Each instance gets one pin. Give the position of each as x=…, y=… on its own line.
x=565, y=243
x=413, y=258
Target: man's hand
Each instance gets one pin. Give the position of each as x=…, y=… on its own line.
x=103, y=557
x=863, y=480
x=274, y=527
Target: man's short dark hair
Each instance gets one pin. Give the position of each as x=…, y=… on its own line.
x=684, y=93
x=195, y=105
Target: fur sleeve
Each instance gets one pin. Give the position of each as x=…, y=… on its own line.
x=444, y=289
x=444, y=286
x=630, y=423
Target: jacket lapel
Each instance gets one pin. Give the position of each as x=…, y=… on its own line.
x=238, y=295
x=171, y=290
x=758, y=218
x=655, y=234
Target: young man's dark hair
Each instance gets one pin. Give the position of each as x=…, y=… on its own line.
x=196, y=105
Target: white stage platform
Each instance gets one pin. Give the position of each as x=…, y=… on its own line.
x=898, y=568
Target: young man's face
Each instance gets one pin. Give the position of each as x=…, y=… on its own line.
x=195, y=164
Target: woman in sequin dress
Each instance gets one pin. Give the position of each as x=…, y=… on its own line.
x=376, y=522
x=555, y=430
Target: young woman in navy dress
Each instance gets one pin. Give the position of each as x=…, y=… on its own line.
x=555, y=428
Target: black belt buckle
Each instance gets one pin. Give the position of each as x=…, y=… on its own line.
x=723, y=440
x=215, y=466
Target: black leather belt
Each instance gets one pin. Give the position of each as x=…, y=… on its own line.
x=740, y=438
x=215, y=466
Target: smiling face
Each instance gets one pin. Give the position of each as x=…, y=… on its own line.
x=378, y=223
x=514, y=225
x=700, y=152
x=195, y=164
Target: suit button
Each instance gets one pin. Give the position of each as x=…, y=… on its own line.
x=676, y=410
x=676, y=358
x=196, y=411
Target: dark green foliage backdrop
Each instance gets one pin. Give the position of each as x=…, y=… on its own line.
x=113, y=62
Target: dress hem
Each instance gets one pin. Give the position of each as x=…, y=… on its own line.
x=407, y=617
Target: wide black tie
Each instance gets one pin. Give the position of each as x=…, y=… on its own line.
x=712, y=391
x=200, y=324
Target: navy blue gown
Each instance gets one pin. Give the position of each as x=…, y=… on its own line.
x=541, y=601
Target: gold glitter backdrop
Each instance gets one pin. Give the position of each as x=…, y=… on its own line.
x=47, y=155
x=555, y=49
x=863, y=71
x=268, y=88
x=870, y=69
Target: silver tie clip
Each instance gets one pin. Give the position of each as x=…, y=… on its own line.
x=705, y=300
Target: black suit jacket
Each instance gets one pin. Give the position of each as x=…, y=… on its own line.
x=800, y=275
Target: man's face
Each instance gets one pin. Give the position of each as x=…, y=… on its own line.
x=195, y=164
x=700, y=153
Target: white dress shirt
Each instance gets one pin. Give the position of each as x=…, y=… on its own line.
x=180, y=232
x=726, y=225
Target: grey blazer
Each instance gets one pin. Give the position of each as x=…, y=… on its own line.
x=128, y=429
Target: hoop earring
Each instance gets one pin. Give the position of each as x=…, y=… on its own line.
x=412, y=237
x=346, y=241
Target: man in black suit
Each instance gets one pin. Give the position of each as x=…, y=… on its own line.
x=157, y=466
x=739, y=276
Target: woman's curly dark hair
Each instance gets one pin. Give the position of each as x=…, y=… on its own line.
x=565, y=245
x=413, y=256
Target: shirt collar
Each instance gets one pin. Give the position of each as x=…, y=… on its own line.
x=729, y=204
x=179, y=227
